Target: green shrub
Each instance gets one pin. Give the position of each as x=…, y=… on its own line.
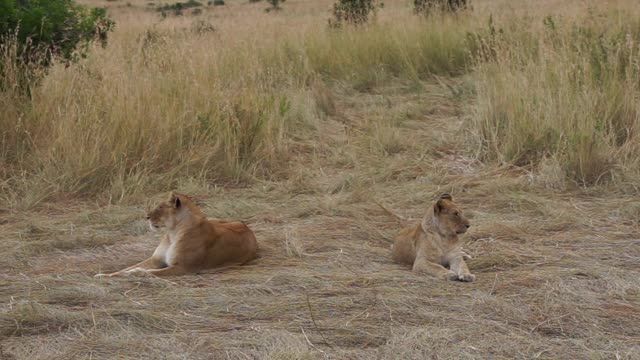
x=48, y=28
x=426, y=7
x=354, y=12
x=179, y=6
x=275, y=5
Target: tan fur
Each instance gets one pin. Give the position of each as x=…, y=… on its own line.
x=193, y=242
x=434, y=244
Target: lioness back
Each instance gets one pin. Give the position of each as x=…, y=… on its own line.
x=235, y=240
x=404, y=249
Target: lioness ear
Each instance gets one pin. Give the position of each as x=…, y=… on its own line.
x=174, y=199
x=439, y=206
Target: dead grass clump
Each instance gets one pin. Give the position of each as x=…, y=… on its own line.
x=285, y=346
x=499, y=257
x=303, y=181
x=388, y=140
x=25, y=317
x=293, y=245
x=446, y=341
x=550, y=174
x=324, y=99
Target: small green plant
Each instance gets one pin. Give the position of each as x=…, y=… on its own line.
x=178, y=7
x=202, y=27
x=275, y=5
x=427, y=7
x=354, y=12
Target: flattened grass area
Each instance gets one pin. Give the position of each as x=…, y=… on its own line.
x=556, y=252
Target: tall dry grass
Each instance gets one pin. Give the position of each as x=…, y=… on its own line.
x=413, y=50
x=190, y=98
x=180, y=99
x=16, y=80
x=563, y=96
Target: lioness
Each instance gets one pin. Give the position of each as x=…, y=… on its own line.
x=433, y=244
x=193, y=242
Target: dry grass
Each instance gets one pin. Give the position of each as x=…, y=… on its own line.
x=558, y=266
x=567, y=94
x=165, y=107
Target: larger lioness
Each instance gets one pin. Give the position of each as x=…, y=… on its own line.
x=192, y=242
x=434, y=244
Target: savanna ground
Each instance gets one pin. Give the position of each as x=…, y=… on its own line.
x=529, y=120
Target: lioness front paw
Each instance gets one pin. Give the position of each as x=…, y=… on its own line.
x=467, y=277
x=450, y=275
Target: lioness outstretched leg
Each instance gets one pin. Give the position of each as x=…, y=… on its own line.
x=168, y=271
x=422, y=265
x=150, y=263
x=459, y=266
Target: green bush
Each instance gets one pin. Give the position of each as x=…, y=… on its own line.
x=48, y=28
x=275, y=5
x=427, y=7
x=179, y=6
x=354, y=12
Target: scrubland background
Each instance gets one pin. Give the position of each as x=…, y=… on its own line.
x=527, y=112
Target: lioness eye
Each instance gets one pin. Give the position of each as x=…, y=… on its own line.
x=456, y=213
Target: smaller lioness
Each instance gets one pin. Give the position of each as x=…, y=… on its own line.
x=434, y=243
x=193, y=242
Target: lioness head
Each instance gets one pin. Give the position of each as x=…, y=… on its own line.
x=448, y=217
x=168, y=213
